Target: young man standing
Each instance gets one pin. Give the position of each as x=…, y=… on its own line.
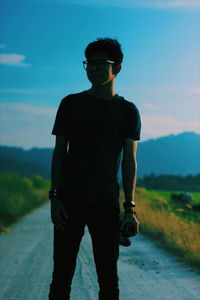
x=93, y=128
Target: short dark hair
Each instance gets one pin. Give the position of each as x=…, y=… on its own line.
x=110, y=46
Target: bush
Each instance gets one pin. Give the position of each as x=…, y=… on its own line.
x=19, y=195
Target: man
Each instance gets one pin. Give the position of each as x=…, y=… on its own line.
x=92, y=130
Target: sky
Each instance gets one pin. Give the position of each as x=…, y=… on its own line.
x=42, y=45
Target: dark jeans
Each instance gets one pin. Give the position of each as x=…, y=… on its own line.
x=103, y=224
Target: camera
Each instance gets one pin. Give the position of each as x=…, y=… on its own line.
x=127, y=230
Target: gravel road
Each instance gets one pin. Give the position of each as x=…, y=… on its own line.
x=146, y=272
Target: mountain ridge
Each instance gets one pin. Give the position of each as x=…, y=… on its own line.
x=172, y=154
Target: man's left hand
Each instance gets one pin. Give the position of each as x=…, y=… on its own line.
x=130, y=218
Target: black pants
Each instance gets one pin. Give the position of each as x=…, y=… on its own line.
x=103, y=224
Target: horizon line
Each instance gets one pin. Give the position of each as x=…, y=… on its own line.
x=140, y=141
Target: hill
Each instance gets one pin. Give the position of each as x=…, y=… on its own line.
x=10, y=164
x=26, y=162
x=173, y=154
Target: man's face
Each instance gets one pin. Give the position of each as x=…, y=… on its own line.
x=99, y=71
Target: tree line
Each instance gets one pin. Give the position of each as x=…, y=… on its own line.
x=189, y=183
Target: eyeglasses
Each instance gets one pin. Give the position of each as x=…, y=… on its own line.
x=99, y=64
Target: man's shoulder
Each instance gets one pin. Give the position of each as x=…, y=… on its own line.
x=71, y=97
x=129, y=105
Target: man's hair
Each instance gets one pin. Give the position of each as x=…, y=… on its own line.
x=106, y=45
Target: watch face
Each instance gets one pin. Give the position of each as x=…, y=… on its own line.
x=53, y=193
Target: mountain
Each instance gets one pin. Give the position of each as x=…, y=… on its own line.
x=26, y=162
x=24, y=168
x=34, y=155
x=173, y=154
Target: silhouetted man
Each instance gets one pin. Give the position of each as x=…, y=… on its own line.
x=94, y=129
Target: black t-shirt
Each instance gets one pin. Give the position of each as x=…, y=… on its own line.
x=95, y=129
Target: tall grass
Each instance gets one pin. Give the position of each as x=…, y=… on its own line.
x=159, y=220
x=19, y=195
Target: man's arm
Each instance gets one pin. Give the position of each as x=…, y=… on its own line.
x=58, y=160
x=58, y=214
x=129, y=170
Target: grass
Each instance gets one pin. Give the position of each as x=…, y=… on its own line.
x=174, y=227
x=170, y=226
x=19, y=195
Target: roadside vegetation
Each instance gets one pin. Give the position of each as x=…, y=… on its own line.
x=19, y=195
x=173, y=225
x=170, y=182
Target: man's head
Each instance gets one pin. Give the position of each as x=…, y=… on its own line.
x=109, y=46
x=104, y=56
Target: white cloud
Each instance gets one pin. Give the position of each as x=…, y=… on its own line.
x=196, y=91
x=13, y=60
x=32, y=110
x=162, y=89
x=154, y=126
x=152, y=106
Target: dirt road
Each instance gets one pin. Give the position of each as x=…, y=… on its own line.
x=146, y=272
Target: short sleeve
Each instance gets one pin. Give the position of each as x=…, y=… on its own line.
x=132, y=122
x=61, y=121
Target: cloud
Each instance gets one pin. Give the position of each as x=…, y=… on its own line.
x=185, y=89
x=13, y=60
x=154, y=126
x=196, y=91
x=156, y=4
x=32, y=110
x=25, y=125
x=152, y=106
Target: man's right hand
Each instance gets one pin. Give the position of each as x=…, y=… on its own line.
x=59, y=216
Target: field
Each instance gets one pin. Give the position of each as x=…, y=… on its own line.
x=173, y=226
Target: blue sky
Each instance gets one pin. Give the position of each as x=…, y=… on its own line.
x=42, y=46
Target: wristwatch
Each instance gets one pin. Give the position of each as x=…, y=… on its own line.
x=53, y=193
x=129, y=207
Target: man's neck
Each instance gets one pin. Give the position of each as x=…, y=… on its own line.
x=102, y=92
